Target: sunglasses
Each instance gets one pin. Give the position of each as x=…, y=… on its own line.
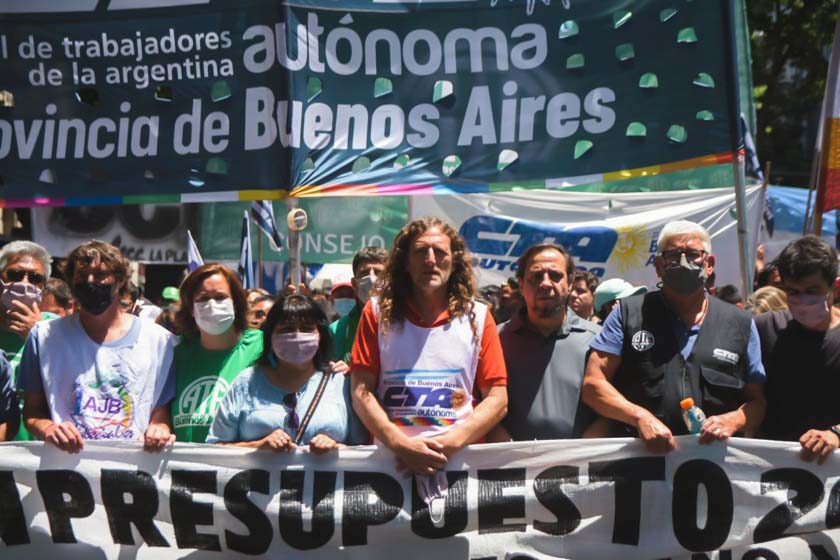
x=17, y=275
x=673, y=255
x=290, y=403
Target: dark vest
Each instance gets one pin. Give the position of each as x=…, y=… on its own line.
x=653, y=373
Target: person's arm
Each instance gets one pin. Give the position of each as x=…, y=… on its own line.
x=37, y=420
x=600, y=395
x=499, y=434
x=159, y=431
x=746, y=418
x=416, y=454
x=9, y=409
x=489, y=413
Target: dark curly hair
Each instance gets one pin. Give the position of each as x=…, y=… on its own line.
x=395, y=284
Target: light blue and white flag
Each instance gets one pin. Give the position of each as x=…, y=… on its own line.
x=246, y=257
x=194, y=259
x=262, y=212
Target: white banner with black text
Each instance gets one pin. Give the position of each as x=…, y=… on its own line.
x=745, y=499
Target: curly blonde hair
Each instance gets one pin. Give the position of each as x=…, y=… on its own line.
x=395, y=285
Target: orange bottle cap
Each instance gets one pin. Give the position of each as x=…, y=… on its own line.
x=687, y=403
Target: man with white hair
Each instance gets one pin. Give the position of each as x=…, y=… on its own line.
x=654, y=352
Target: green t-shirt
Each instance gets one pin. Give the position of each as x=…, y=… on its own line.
x=12, y=345
x=343, y=334
x=203, y=377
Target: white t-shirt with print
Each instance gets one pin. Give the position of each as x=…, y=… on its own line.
x=107, y=390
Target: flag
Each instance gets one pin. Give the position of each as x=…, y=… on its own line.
x=262, y=212
x=828, y=137
x=246, y=258
x=193, y=256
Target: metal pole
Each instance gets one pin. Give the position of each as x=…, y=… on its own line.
x=744, y=252
x=294, y=246
x=259, y=258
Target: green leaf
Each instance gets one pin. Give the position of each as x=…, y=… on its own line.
x=506, y=158
x=636, y=130
x=704, y=80
x=568, y=29
x=621, y=17
x=625, y=51
x=581, y=147
x=401, y=161
x=451, y=164
x=677, y=134
x=442, y=90
x=687, y=35
x=705, y=116
x=382, y=87
x=667, y=14
x=648, y=81
x=575, y=61
x=313, y=87
x=220, y=91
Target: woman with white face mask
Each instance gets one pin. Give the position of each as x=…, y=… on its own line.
x=216, y=346
x=290, y=398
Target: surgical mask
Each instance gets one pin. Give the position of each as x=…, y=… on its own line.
x=343, y=306
x=684, y=278
x=24, y=292
x=94, y=297
x=295, y=348
x=214, y=317
x=810, y=310
x=364, y=287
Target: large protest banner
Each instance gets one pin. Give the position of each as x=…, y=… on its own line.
x=125, y=101
x=150, y=233
x=594, y=499
x=611, y=235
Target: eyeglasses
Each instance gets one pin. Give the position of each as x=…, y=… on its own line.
x=17, y=275
x=673, y=255
x=290, y=402
x=260, y=314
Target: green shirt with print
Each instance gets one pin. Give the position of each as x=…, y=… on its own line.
x=343, y=334
x=203, y=377
x=12, y=344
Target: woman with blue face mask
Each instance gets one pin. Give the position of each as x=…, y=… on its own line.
x=290, y=398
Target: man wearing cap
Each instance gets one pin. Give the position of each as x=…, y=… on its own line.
x=545, y=346
x=610, y=291
x=368, y=264
x=654, y=351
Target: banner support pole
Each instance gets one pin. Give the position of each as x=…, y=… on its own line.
x=259, y=259
x=743, y=230
x=294, y=246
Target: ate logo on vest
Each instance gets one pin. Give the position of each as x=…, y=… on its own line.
x=642, y=340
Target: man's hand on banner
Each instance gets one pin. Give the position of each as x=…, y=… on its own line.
x=718, y=428
x=65, y=436
x=322, y=443
x=420, y=456
x=818, y=443
x=157, y=436
x=278, y=440
x=656, y=435
x=22, y=318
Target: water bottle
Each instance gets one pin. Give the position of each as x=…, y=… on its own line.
x=692, y=415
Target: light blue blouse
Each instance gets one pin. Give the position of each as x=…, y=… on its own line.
x=253, y=408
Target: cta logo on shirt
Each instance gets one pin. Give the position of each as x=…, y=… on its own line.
x=199, y=401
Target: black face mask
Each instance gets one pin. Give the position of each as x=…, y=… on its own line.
x=94, y=297
x=684, y=278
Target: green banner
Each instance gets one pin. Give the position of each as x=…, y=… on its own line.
x=338, y=227
x=123, y=100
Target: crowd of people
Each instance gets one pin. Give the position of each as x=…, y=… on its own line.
x=412, y=355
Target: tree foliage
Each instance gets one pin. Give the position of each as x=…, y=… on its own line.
x=791, y=43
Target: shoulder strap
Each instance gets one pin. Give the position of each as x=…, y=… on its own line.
x=319, y=392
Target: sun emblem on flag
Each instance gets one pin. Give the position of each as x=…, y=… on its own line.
x=631, y=248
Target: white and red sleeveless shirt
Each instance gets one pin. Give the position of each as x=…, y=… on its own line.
x=427, y=374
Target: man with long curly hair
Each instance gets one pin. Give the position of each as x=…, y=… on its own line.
x=423, y=348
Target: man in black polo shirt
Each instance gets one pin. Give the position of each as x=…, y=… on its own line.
x=800, y=348
x=659, y=348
